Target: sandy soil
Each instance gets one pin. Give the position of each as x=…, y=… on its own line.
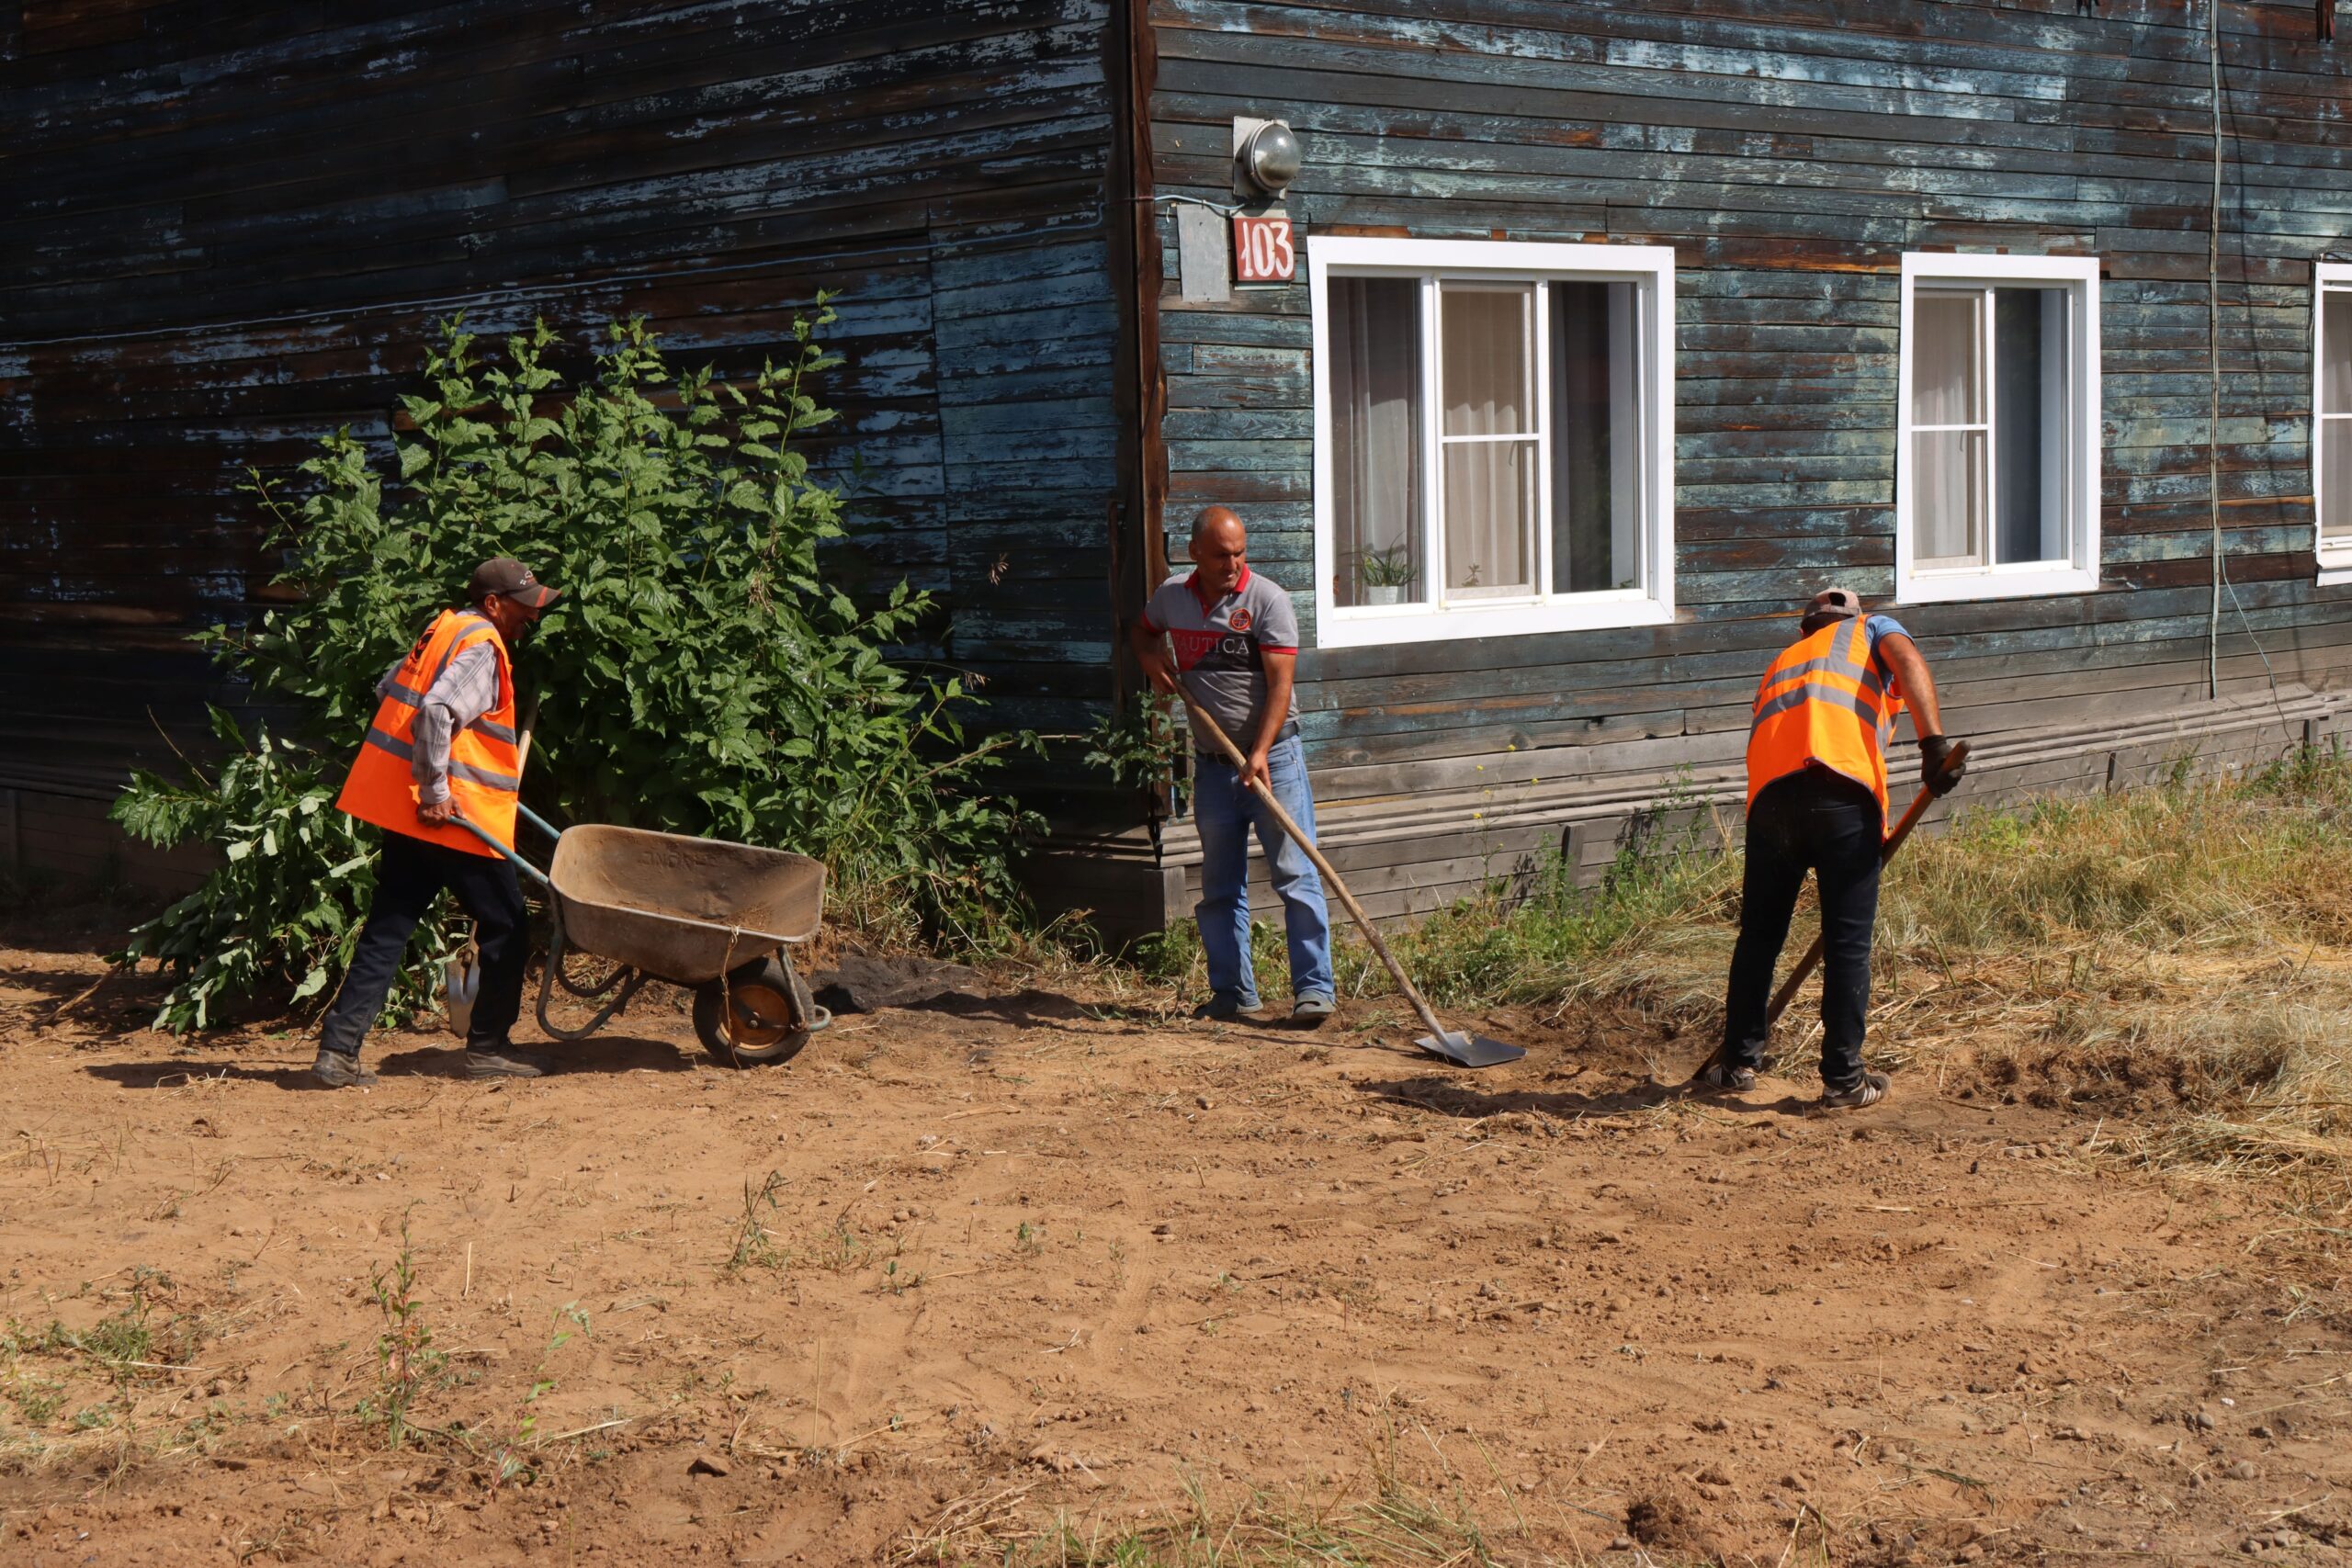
x=960, y=1269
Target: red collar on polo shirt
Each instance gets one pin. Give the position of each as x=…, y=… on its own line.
x=1193, y=582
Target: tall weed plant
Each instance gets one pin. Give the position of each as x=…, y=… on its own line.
x=282, y=912
x=703, y=673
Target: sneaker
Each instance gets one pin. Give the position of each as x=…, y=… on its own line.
x=1869, y=1091
x=1722, y=1077
x=1309, y=1011
x=340, y=1069
x=504, y=1061
x=1221, y=1008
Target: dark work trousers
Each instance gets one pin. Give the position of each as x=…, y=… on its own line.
x=1822, y=822
x=408, y=877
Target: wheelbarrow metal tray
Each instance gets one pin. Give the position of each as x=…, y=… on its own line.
x=679, y=908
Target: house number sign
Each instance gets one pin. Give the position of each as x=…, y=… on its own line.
x=1263, y=250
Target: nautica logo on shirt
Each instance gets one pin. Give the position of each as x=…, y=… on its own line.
x=1194, y=647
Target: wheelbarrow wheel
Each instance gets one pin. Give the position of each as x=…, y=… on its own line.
x=746, y=1020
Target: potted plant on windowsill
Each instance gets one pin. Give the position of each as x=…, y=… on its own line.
x=1386, y=574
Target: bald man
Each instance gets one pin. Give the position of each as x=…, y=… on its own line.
x=1237, y=652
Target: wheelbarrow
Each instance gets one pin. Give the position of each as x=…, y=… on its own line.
x=719, y=920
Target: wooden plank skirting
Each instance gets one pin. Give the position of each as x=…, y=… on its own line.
x=54, y=830
x=1407, y=855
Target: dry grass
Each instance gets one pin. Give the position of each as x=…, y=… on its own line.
x=1410, y=1506
x=2176, y=957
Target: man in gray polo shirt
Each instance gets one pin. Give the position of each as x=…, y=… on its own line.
x=1237, y=652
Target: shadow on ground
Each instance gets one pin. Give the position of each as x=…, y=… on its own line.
x=605, y=1054
x=1450, y=1096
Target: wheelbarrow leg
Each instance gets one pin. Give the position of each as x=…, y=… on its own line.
x=807, y=1014
x=547, y=989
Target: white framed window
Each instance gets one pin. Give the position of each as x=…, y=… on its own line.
x=1494, y=437
x=2332, y=419
x=1997, y=397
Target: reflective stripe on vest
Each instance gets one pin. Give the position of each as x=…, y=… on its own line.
x=1823, y=703
x=485, y=763
x=406, y=752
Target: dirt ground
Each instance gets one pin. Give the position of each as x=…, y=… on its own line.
x=965, y=1273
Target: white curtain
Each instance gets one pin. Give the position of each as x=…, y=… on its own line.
x=1489, y=484
x=1947, y=476
x=1375, y=380
x=2334, y=435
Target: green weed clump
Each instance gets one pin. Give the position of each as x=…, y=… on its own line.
x=706, y=673
x=1654, y=919
x=77, y=1393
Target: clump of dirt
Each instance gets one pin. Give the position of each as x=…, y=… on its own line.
x=2109, y=1080
x=1665, y=1519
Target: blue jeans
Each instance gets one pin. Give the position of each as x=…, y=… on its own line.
x=1224, y=810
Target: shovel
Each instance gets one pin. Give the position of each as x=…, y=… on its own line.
x=1465, y=1050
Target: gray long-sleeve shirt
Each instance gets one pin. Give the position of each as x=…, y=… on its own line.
x=463, y=694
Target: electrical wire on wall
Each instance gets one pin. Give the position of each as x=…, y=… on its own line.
x=2213, y=406
x=2213, y=364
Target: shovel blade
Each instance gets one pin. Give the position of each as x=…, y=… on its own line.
x=1469, y=1050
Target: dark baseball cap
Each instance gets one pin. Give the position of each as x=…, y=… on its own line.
x=510, y=578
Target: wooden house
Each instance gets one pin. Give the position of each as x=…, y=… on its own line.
x=1616, y=328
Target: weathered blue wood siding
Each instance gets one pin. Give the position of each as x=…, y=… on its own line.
x=1791, y=153
x=231, y=229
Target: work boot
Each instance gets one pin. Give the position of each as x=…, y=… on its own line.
x=1311, y=1011
x=1869, y=1091
x=340, y=1069
x=1222, y=1009
x=504, y=1061
x=1720, y=1076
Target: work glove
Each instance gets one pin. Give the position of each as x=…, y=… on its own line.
x=1933, y=752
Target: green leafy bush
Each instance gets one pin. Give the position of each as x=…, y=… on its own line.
x=283, y=909
x=702, y=673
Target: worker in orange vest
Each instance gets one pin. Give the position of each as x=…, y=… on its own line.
x=1816, y=801
x=444, y=742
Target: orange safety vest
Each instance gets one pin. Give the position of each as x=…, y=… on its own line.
x=485, y=763
x=1823, y=703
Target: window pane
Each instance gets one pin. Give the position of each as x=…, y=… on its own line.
x=1596, y=437
x=2336, y=347
x=1375, y=383
x=1488, y=354
x=1489, y=518
x=2335, y=479
x=1945, y=383
x=2030, y=439
x=1948, y=498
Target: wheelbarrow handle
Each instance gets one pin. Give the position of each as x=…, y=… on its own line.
x=534, y=872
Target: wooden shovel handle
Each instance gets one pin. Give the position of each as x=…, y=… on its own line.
x=1812, y=959
x=1203, y=724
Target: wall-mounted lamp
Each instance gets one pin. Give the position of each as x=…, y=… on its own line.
x=1266, y=158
